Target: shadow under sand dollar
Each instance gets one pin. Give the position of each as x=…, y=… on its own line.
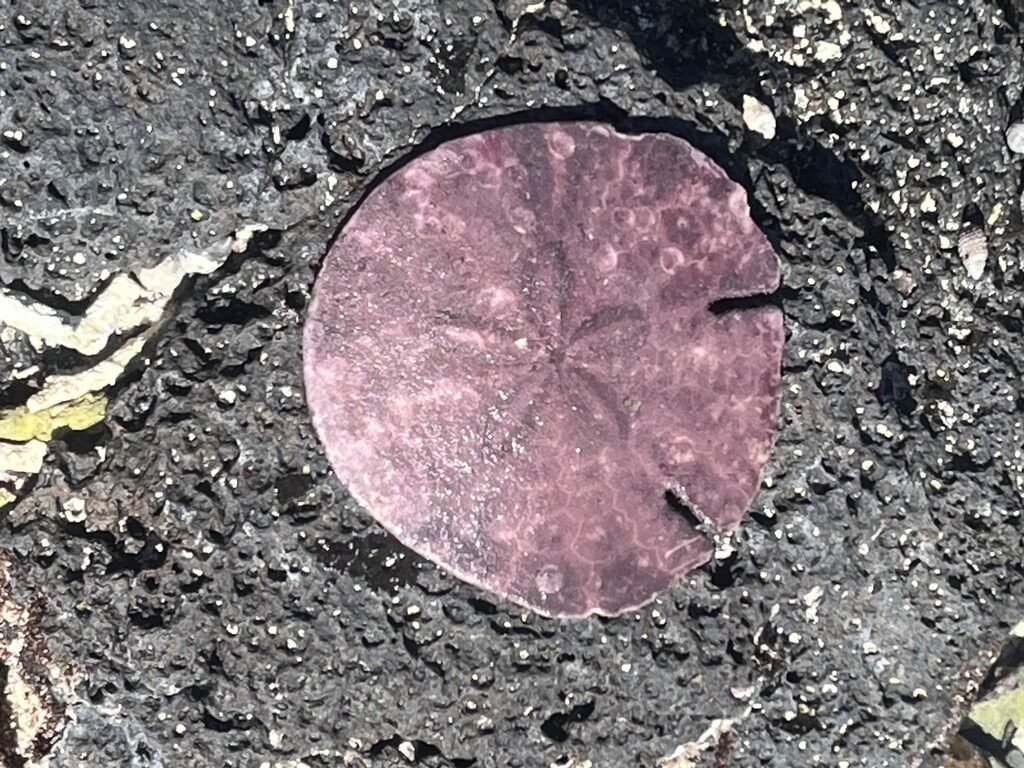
x=687, y=46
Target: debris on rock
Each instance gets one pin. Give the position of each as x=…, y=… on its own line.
x=1015, y=138
x=972, y=246
x=758, y=117
x=688, y=755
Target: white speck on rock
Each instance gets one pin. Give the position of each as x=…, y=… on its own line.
x=878, y=23
x=973, y=249
x=833, y=11
x=408, y=750
x=1015, y=138
x=758, y=117
x=994, y=214
x=811, y=601
x=74, y=509
x=826, y=51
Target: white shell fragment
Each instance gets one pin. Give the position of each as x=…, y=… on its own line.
x=1015, y=138
x=973, y=249
x=758, y=117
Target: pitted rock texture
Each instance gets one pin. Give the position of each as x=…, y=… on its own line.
x=230, y=606
x=511, y=359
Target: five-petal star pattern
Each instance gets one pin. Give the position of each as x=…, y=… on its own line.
x=510, y=357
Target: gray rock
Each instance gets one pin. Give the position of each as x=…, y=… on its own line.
x=224, y=586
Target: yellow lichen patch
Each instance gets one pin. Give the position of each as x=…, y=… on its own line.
x=1002, y=714
x=21, y=425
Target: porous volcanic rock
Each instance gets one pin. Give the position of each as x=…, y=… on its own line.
x=225, y=603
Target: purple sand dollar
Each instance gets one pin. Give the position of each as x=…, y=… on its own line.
x=510, y=357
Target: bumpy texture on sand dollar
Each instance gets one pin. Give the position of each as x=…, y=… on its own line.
x=511, y=357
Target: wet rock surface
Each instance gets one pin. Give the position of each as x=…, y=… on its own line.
x=220, y=598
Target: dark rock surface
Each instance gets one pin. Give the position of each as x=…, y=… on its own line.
x=226, y=604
